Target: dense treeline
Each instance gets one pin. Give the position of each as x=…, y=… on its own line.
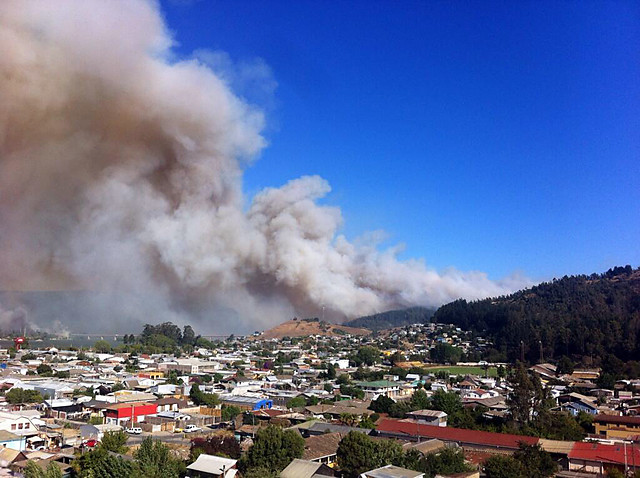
x=581, y=316
x=393, y=318
x=166, y=337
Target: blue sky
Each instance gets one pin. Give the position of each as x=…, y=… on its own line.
x=493, y=136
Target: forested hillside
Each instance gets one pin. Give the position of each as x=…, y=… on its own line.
x=393, y=318
x=579, y=316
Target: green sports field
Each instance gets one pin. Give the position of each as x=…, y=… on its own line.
x=456, y=370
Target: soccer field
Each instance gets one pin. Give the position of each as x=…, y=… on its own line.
x=456, y=370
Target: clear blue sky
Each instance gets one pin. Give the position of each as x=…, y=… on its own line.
x=494, y=136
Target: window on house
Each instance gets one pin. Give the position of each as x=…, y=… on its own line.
x=13, y=426
x=20, y=426
x=26, y=426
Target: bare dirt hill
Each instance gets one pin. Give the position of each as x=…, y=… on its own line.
x=304, y=327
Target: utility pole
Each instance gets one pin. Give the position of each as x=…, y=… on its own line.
x=626, y=468
x=522, y=351
x=541, y=351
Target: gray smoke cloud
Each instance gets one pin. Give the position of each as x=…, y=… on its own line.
x=121, y=174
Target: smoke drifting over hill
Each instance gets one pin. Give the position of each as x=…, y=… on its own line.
x=121, y=174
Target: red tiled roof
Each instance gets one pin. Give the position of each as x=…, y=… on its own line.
x=460, y=435
x=601, y=418
x=605, y=453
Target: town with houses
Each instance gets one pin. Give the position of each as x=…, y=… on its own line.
x=413, y=385
x=445, y=194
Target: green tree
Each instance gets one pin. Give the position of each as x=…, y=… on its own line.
x=585, y=420
x=33, y=470
x=44, y=370
x=367, y=355
x=502, y=372
x=358, y=453
x=382, y=404
x=172, y=376
x=116, y=387
x=204, y=343
x=154, y=460
x=399, y=409
x=535, y=462
x=98, y=463
x=28, y=356
x=297, y=402
x=331, y=371
x=198, y=397
x=115, y=442
x=527, y=395
x=230, y=412
x=260, y=472
x=503, y=466
x=446, y=353
x=445, y=462
x=420, y=400
x=188, y=335
x=565, y=366
x=352, y=391
x=397, y=357
x=414, y=460
x=349, y=419
x=448, y=402
x=557, y=426
x=102, y=347
x=19, y=395
x=614, y=473
x=273, y=449
x=607, y=381
x=367, y=422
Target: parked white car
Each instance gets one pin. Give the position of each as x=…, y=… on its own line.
x=134, y=430
x=192, y=428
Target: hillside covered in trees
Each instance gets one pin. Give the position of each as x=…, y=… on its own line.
x=393, y=318
x=579, y=316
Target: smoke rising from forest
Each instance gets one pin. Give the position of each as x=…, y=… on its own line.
x=121, y=177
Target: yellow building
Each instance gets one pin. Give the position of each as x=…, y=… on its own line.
x=612, y=426
x=152, y=374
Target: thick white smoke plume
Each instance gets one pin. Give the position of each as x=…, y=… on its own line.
x=121, y=174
